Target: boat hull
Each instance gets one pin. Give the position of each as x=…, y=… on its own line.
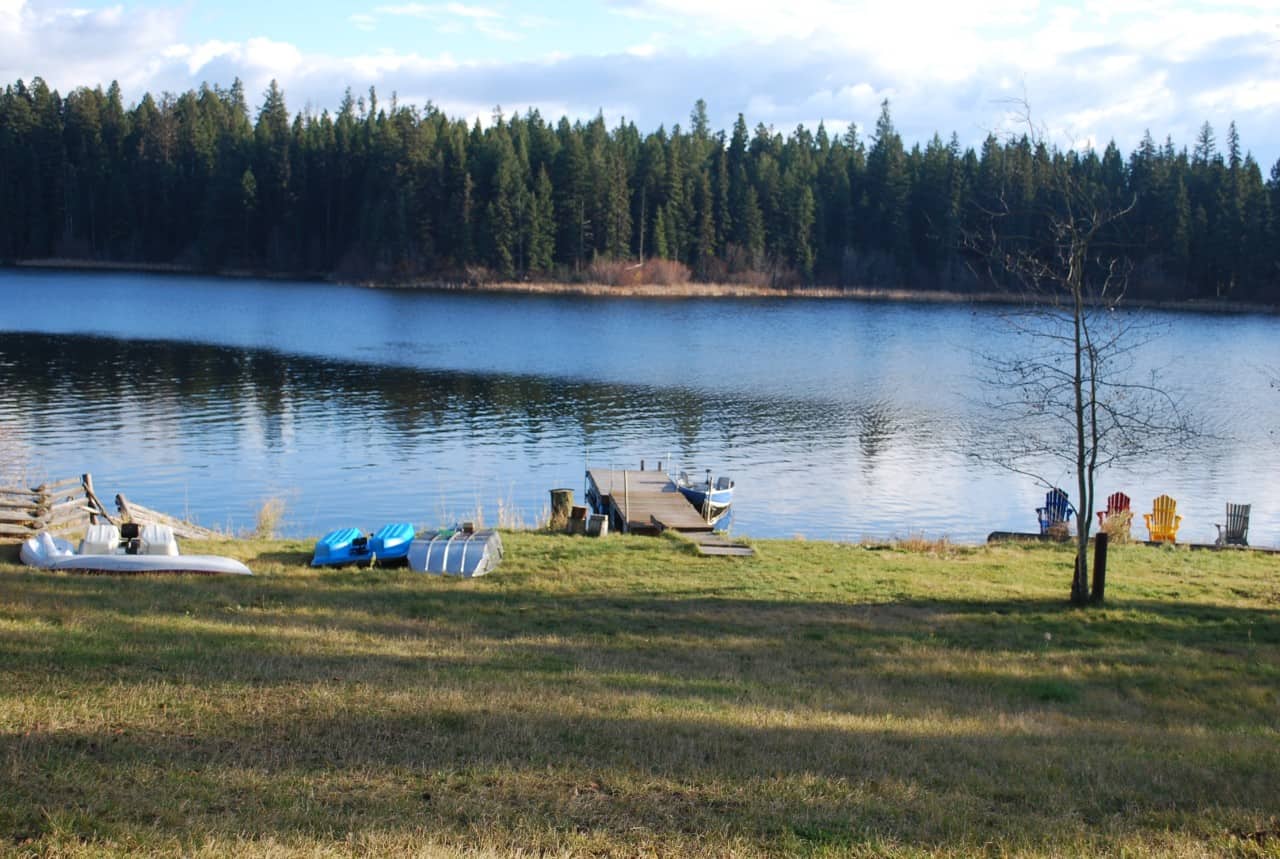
x=714, y=504
x=152, y=564
x=456, y=553
x=52, y=553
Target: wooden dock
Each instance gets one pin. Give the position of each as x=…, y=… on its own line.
x=642, y=502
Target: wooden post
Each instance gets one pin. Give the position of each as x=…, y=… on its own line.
x=86, y=480
x=1098, y=592
x=122, y=505
x=561, y=504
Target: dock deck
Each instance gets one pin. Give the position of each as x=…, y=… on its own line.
x=644, y=502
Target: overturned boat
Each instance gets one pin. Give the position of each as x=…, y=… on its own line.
x=352, y=546
x=456, y=552
x=128, y=549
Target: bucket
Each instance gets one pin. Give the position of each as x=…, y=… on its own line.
x=597, y=525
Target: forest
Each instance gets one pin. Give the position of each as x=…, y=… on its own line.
x=385, y=191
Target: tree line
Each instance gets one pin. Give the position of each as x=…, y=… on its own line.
x=394, y=191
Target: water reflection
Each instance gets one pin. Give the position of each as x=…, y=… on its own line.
x=147, y=415
x=837, y=419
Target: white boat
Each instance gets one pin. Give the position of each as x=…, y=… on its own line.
x=103, y=550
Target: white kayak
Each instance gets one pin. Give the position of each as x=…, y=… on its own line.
x=159, y=555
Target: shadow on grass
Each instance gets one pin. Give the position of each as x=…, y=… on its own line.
x=346, y=702
x=443, y=771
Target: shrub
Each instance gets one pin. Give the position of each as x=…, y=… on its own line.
x=1117, y=527
x=665, y=272
x=659, y=272
x=269, y=516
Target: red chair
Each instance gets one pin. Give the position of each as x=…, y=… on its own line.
x=1117, y=502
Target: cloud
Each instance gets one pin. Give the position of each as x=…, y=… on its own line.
x=72, y=47
x=452, y=18
x=1094, y=73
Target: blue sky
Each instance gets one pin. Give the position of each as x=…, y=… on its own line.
x=1092, y=70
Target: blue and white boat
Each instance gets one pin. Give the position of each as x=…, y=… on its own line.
x=712, y=496
x=351, y=546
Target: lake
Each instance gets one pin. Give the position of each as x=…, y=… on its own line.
x=837, y=419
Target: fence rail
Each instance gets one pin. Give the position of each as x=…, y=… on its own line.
x=56, y=506
x=62, y=506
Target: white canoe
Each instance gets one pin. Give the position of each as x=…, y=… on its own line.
x=53, y=553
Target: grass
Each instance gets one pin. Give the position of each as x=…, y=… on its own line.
x=626, y=697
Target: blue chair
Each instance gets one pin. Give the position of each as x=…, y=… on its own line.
x=1057, y=510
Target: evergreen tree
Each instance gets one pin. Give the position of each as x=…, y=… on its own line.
x=542, y=228
x=381, y=188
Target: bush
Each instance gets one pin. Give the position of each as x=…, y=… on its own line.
x=1060, y=531
x=1117, y=527
x=660, y=272
x=665, y=272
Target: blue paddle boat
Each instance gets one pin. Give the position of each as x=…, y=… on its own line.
x=352, y=546
x=711, y=496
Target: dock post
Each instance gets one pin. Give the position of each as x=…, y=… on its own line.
x=561, y=505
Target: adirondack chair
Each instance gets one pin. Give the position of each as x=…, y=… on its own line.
x=1236, y=530
x=1117, y=505
x=1163, y=520
x=1057, y=510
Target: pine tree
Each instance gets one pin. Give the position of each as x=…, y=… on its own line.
x=618, y=211
x=704, y=241
x=888, y=187
x=503, y=211
x=542, y=228
x=660, y=249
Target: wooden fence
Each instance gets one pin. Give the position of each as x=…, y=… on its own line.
x=58, y=506
x=70, y=505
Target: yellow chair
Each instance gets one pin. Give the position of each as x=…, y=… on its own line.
x=1163, y=520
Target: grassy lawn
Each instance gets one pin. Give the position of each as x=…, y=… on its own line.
x=626, y=697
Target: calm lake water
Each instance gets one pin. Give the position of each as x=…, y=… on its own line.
x=838, y=419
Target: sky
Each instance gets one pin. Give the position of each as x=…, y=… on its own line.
x=1090, y=71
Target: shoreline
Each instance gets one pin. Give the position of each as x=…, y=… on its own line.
x=640, y=291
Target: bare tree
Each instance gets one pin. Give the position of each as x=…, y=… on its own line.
x=1067, y=395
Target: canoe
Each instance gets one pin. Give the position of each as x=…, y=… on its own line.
x=54, y=553
x=352, y=546
x=456, y=552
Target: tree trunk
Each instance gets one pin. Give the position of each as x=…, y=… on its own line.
x=1080, y=581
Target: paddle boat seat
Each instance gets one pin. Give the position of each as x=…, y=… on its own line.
x=157, y=540
x=100, y=539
